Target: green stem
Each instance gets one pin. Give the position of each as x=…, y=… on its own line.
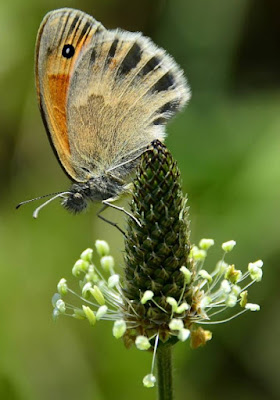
x=164, y=372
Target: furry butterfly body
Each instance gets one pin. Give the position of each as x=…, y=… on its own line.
x=104, y=96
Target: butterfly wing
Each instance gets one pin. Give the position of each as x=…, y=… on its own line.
x=61, y=32
x=122, y=92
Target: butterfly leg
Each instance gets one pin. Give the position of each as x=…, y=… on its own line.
x=108, y=203
x=108, y=221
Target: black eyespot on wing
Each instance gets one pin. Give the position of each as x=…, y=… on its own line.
x=68, y=51
x=150, y=65
x=131, y=59
x=164, y=83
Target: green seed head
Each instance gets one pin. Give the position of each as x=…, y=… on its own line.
x=156, y=251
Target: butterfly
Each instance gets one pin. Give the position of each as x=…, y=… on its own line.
x=104, y=96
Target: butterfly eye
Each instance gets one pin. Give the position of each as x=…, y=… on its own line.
x=68, y=51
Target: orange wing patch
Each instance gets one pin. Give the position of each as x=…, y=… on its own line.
x=58, y=86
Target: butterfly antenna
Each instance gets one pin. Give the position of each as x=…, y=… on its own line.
x=37, y=198
x=36, y=212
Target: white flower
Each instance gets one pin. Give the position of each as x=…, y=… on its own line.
x=184, y=334
x=62, y=287
x=89, y=315
x=231, y=300
x=60, y=306
x=172, y=302
x=102, y=248
x=205, y=275
x=107, y=263
x=255, y=271
x=176, y=324
x=149, y=381
x=113, y=280
x=142, y=343
x=87, y=255
x=198, y=254
x=225, y=286
x=148, y=295
x=252, y=307
x=182, y=307
x=205, y=294
x=187, y=274
x=228, y=246
x=119, y=328
x=102, y=310
x=205, y=244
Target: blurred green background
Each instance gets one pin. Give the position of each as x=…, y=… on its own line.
x=227, y=145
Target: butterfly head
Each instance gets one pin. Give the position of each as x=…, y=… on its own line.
x=98, y=188
x=76, y=200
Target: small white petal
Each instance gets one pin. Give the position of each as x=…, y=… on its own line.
x=184, y=334
x=102, y=248
x=205, y=301
x=89, y=314
x=97, y=294
x=182, y=307
x=87, y=255
x=102, y=310
x=55, y=314
x=142, y=343
x=205, y=244
x=236, y=290
x=187, y=274
x=86, y=288
x=172, y=302
x=205, y=275
x=107, y=263
x=148, y=295
x=256, y=273
x=229, y=245
x=231, y=300
x=60, y=306
x=176, y=324
x=113, y=280
x=198, y=254
x=225, y=286
x=79, y=267
x=258, y=263
x=119, y=328
x=149, y=381
x=252, y=307
x=62, y=287
x=55, y=297
x=91, y=275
